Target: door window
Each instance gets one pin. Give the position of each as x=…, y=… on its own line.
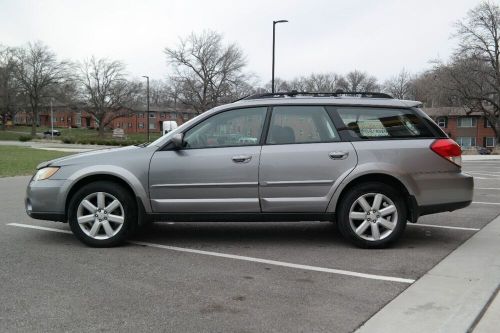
x=241, y=127
x=300, y=124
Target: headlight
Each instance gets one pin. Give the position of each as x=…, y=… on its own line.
x=45, y=173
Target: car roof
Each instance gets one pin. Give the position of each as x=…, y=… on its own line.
x=354, y=101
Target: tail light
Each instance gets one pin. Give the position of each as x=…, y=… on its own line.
x=448, y=149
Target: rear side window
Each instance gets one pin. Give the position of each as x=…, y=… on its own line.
x=374, y=123
x=300, y=124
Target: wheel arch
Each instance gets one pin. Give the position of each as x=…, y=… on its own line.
x=409, y=198
x=96, y=177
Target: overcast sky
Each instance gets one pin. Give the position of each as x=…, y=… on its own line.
x=379, y=37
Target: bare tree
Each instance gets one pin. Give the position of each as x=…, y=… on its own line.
x=400, y=86
x=10, y=94
x=207, y=70
x=358, y=81
x=474, y=72
x=37, y=70
x=105, y=92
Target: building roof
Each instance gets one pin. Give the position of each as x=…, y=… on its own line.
x=450, y=111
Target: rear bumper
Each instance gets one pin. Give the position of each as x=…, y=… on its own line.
x=445, y=207
x=447, y=193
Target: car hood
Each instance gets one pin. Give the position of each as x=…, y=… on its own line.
x=94, y=155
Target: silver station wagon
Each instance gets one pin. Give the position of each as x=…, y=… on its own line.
x=366, y=161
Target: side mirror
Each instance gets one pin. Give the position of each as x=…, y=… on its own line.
x=178, y=140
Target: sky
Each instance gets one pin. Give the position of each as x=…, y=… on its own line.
x=380, y=37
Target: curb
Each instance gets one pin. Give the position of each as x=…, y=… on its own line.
x=452, y=296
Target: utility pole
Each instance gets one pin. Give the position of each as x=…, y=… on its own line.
x=147, y=112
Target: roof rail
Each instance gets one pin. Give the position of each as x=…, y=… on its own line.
x=338, y=93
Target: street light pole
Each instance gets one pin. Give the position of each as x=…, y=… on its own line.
x=51, y=120
x=274, y=43
x=147, y=93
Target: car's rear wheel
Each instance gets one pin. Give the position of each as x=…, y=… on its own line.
x=102, y=214
x=372, y=215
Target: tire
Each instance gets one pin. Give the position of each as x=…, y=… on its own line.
x=358, y=221
x=99, y=227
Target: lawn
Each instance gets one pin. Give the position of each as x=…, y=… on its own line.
x=18, y=161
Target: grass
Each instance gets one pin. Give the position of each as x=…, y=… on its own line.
x=19, y=161
x=80, y=135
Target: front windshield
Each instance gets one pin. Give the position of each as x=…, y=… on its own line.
x=162, y=139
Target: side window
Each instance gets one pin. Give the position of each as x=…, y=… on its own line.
x=373, y=123
x=300, y=124
x=240, y=127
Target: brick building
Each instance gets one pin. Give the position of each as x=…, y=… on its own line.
x=133, y=122
x=467, y=129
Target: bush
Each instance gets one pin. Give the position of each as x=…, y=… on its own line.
x=68, y=140
x=24, y=138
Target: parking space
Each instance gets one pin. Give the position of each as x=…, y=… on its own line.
x=235, y=277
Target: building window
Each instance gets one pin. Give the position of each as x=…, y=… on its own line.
x=442, y=122
x=185, y=116
x=129, y=125
x=490, y=142
x=487, y=123
x=467, y=122
x=140, y=115
x=152, y=115
x=152, y=125
x=162, y=115
x=141, y=125
x=466, y=141
x=62, y=118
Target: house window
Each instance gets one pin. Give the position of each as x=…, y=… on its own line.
x=152, y=115
x=140, y=115
x=162, y=115
x=442, y=122
x=487, y=123
x=466, y=141
x=129, y=125
x=490, y=142
x=467, y=122
x=62, y=118
x=141, y=125
x=185, y=116
x=152, y=125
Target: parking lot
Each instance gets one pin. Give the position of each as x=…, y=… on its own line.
x=213, y=277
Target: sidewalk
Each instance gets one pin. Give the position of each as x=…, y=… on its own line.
x=66, y=147
x=458, y=295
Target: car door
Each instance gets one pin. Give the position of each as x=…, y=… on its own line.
x=216, y=171
x=302, y=161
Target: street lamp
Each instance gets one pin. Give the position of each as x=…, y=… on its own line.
x=147, y=112
x=274, y=33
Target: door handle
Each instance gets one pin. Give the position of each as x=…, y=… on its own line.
x=338, y=155
x=241, y=158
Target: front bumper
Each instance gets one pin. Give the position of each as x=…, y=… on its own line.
x=44, y=200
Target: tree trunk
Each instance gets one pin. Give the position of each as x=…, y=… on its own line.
x=101, y=129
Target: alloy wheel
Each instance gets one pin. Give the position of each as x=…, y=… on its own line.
x=373, y=216
x=100, y=215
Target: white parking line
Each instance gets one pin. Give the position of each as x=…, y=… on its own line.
x=486, y=203
x=442, y=226
x=244, y=258
x=487, y=188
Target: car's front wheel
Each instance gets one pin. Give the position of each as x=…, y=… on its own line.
x=372, y=215
x=102, y=214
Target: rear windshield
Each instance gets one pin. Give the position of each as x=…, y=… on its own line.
x=374, y=123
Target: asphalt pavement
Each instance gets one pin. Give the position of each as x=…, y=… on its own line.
x=218, y=277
